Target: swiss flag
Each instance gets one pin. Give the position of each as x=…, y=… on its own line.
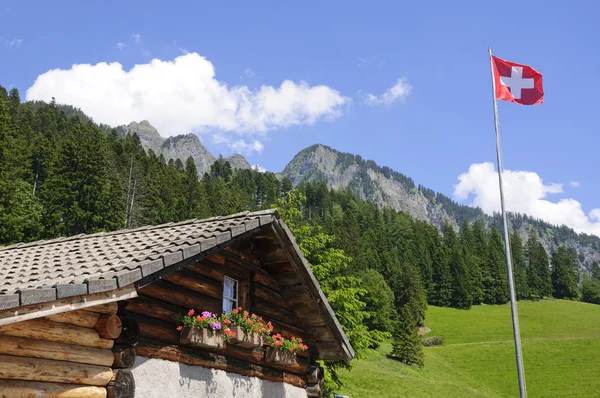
x=517, y=83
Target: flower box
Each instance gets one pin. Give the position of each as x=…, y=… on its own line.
x=276, y=355
x=202, y=337
x=244, y=339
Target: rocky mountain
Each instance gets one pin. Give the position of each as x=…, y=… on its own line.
x=387, y=187
x=179, y=147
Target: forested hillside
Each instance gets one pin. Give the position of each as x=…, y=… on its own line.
x=386, y=187
x=63, y=175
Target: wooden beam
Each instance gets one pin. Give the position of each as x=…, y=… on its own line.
x=197, y=283
x=208, y=269
x=27, y=347
x=83, y=318
x=159, y=309
x=179, y=295
x=42, y=329
x=91, y=301
x=40, y=389
x=34, y=369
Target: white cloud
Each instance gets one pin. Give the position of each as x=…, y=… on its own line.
x=16, y=43
x=574, y=184
x=239, y=145
x=524, y=192
x=121, y=45
x=259, y=168
x=397, y=92
x=183, y=95
x=184, y=51
x=137, y=38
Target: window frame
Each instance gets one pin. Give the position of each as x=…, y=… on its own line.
x=236, y=292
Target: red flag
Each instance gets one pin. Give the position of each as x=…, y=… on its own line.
x=517, y=83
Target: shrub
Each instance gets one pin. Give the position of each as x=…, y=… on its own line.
x=433, y=341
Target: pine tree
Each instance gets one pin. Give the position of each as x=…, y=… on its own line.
x=461, y=292
x=495, y=277
x=564, y=273
x=479, y=266
x=538, y=268
x=77, y=189
x=595, y=270
x=518, y=265
x=406, y=346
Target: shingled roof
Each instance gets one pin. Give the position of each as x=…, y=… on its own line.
x=45, y=271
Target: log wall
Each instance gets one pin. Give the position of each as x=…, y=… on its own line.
x=66, y=355
x=200, y=286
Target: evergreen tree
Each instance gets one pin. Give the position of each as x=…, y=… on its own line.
x=595, y=270
x=538, y=268
x=406, y=346
x=77, y=189
x=564, y=273
x=479, y=265
x=440, y=293
x=518, y=265
x=590, y=290
x=495, y=278
x=460, y=280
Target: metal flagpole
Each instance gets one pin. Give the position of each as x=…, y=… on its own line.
x=513, y=299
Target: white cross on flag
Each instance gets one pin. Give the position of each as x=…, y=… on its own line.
x=517, y=83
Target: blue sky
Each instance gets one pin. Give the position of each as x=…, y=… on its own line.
x=434, y=132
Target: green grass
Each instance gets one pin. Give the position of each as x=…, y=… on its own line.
x=561, y=350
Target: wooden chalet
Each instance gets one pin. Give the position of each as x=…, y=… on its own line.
x=92, y=315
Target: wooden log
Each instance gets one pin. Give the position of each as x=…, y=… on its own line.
x=109, y=326
x=174, y=294
x=40, y=389
x=122, y=385
x=124, y=356
x=197, y=283
x=195, y=357
x=42, y=329
x=155, y=329
x=108, y=308
x=269, y=311
x=270, y=296
x=34, y=369
x=314, y=390
x=86, y=319
x=208, y=269
x=27, y=347
x=130, y=334
x=267, y=280
x=156, y=308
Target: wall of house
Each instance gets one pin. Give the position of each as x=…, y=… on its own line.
x=160, y=378
x=200, y=286
x=59, y=355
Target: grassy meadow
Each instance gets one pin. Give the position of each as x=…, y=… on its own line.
x=561, y=350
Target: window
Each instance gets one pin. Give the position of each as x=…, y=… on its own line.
x=230, y=294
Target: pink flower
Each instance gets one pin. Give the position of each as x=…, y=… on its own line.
x=191, y=312
x=179, y=327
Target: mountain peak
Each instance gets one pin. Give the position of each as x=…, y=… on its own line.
x=238, y=161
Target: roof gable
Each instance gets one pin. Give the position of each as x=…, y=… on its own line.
x=82, y=265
